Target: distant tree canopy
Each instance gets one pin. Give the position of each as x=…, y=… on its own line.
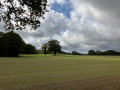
x=52, y=46
x=98, y=52
x=10, y=44
x=29, y=49
x=18, y=14
x=75, y=53
x=107, y=52
x=65, y=53
x=91, y=52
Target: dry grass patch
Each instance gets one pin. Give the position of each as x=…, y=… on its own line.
x=101, y=83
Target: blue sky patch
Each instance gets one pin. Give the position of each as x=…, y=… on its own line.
x=65, y=8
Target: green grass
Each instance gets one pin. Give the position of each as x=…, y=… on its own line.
x=37, y=70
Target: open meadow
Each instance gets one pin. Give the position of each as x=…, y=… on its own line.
x=61, y=72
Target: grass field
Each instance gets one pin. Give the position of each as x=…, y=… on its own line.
x=62, y=72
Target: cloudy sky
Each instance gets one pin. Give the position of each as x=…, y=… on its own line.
x=79, y=25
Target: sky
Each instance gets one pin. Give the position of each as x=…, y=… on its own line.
x=79, y=25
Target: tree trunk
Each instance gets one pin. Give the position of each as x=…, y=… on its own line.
x=55, y=53
x=45, y=52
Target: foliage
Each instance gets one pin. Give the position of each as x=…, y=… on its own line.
x=65, y=53
x=107, y=52
x=29, y=49
x=91, y=52
x=54, y=46
x=10, y=44
x=18, y=14
x=75, y=53
x=98, y=52
x=44, y=48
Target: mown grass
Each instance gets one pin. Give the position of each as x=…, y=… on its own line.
x=30, y=71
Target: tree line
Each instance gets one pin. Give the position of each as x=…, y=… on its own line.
x=107, y=52
x=11, y=45
x=98, y=52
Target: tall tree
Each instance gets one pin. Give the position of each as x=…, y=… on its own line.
x=54, y=46
x=10, y=44
x=44, y=48
x=18, y=14
x=91, y=52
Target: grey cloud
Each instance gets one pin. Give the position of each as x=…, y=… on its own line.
x=53, y=24
x=94, y=24
x=95, y=28
x=111, y=6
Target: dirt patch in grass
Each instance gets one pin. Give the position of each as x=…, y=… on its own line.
x=102, y=83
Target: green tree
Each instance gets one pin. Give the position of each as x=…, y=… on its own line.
x=18, y=14
x=54, y=46
x=10, y=44
x=75, y=53
x=29, y=49
x=1, y=49
x=44, y=48
x=98, y=52
x=110, y=52
x=91, y=52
